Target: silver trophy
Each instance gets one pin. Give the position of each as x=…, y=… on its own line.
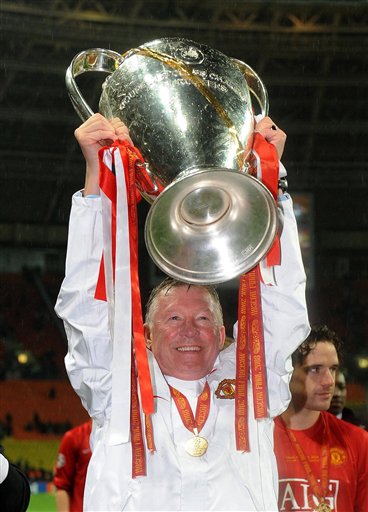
x=189, y=111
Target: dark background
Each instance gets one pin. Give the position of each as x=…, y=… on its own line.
x=312, y=57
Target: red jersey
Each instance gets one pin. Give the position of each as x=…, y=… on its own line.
x=72, y=462
x=347, y=489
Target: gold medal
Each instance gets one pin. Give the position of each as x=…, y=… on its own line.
x=196, y=446
x=323, y=507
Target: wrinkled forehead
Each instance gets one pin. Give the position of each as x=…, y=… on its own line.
x=170, y=292
x=188, y=294
x=191, y=297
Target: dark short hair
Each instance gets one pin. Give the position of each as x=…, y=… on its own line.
x=318, y=333
x=167, y=284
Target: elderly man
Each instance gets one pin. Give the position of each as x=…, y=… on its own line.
x=196, y=465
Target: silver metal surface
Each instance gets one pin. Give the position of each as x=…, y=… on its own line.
x=211, y=226
x=189, y=111
x=187, y=106
x=95, y=59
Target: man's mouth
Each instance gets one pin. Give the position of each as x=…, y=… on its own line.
x=325, y=395
x=194, y=348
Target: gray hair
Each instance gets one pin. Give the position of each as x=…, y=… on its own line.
x=167, y=284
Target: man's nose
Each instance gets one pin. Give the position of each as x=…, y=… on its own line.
x=189, y=328
x=329, y=379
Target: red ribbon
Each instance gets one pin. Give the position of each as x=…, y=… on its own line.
x=130, y=157
x=136, y=435
x=256, y=346
x=319, y=489
x=242, y=371
x=185, y=411
x=269, y=162
x=108, y=186
x=250, y=340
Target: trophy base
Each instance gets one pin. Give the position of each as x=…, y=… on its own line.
x=211, y=226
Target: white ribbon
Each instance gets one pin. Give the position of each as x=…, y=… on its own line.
x=119, y=300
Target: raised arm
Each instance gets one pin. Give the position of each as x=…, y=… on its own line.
x=89, y=354
x=285, y=316
x=97, y=131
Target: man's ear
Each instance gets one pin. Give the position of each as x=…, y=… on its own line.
x=222, y=337
x=147, y=335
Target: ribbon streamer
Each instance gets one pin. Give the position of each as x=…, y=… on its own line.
x=118, y=282
x=250, y=340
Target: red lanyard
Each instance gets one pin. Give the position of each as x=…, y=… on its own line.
x=318, y=489
x=193, y=424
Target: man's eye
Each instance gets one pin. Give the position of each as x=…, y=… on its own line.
x=174, y=317
x=313, y=369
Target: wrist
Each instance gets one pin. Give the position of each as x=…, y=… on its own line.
x=91, y=184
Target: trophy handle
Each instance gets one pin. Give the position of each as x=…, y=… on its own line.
x=95, y=59
x=99, y=59
x=147, y=183
x=255, y=84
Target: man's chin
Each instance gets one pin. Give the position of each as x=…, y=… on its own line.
x=187, y=373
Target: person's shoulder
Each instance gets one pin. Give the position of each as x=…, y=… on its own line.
x=80, y=433
x=227, y=357
x=84, y=428
x=229, y=352
x=349, y=430
x=350, y=416
x=278, y=421
x=73, y=435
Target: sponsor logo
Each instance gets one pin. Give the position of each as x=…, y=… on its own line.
x=296, y=494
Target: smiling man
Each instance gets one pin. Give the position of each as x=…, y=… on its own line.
x=322, y=461
x=184, y=329
x=196, y=464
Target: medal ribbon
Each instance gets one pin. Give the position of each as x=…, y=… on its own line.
x=193, y=424
x=319, y=489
